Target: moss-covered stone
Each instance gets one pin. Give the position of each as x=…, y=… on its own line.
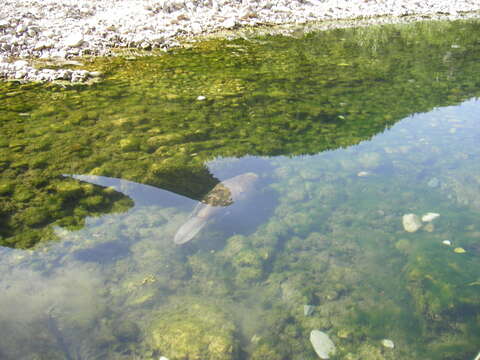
x=265, y=352
x=7, y=187
x=367, y=351
x=129, y=144
x=192, y=330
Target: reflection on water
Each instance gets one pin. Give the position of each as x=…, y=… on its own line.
x=318, y=243
x=144, y=122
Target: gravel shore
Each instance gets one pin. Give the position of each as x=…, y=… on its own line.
x=64, y=29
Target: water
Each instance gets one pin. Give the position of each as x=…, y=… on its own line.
x=347, y=131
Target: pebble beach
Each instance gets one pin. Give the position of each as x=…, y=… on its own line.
x=62, y=30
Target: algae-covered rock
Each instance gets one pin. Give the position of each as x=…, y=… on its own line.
x=126, y=331
x=6, y=187
x=265, y=352
x=235, y=244
x=442, y=281
x=404, y=245
x=129, y=144
x=246, y=275
x=366, y=351
x=278, y=335
x=246, y=260
x=190, y=330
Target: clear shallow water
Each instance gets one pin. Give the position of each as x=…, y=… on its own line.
x=352, y=135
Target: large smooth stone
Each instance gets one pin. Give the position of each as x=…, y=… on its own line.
x=323, y=346
x=74, y=40
x=411, y=222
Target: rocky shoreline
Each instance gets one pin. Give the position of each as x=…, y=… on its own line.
x=64, y=29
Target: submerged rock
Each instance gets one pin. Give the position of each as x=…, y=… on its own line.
x=459, y=250
x=323, y=346
x=188, y=330
x=126, y=331
x=429, y=227
x=428, y=217
x=74, y=40
x=366, y=352
x=411, y=222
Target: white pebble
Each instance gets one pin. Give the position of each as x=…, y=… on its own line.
x=20, y=74
x=429, y=217
x=363, y=173
x=201, y=97
x=229, y=23
x=196, y=28
x=388, y=343
x=74, y=40
x=447, y=242
x=19, y=64
x=21, y=28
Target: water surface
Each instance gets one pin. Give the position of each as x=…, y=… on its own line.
x=347, y=131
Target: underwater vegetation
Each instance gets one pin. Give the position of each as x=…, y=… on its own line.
x=29, y=206
x=194, y=330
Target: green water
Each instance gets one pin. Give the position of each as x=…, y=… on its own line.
x=347, y=131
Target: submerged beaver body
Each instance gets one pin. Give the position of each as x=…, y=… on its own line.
x=225, y=194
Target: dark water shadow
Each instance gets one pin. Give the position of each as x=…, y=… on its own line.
x=103, y=253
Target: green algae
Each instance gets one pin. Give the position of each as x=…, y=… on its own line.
x=193, y=330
